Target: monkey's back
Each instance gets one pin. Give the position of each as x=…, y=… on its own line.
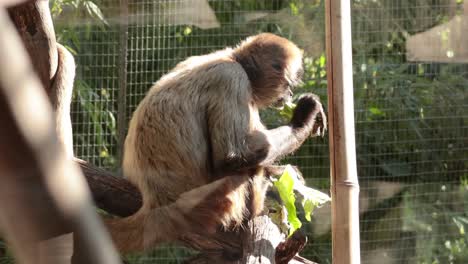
x=167, y=149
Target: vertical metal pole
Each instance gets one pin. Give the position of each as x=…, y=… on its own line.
x=344, y=181
x=122, y=92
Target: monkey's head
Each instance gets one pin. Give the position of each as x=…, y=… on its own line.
x=273, y=65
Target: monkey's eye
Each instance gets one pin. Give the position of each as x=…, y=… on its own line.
x=277, y=66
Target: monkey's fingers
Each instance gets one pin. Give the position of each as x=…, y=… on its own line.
x=306, y=109
x=320, y=124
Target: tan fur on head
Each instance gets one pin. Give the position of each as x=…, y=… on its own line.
x=272, y=63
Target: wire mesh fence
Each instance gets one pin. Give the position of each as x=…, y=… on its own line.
x=411, y=129
x=410, y=81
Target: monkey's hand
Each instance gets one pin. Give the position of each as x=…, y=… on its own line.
x=308, y=116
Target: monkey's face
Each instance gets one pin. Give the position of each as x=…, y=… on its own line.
x=292, y=78
x=273, y=65
x=285, y=98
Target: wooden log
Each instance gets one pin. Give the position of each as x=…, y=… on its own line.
x=34, y=24
x=53, y=64
x=260, y=240
x=111, y=193
x=257, y=243
x=287, y=249
x=344, y=181
x=260, y=243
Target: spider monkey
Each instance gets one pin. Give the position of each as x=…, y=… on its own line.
x=196, y=147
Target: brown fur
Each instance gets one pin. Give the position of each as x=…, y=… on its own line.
x=60, y=95
x=189, y=213
x=267, y=60
x=200, y=123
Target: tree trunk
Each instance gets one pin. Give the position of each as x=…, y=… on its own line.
x=34, y=24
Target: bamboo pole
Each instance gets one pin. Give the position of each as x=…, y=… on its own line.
x=344, y=181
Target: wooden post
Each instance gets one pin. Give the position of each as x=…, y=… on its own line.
x=344, y=182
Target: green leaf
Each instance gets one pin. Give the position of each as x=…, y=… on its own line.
x=376, y=111
x=294, y=9
x=322, y=61
x=288, y=110
x=460, y=222
x=285, y=186
x=187, y=31
x=308, y=206
x=311, y=199
x=95, y=11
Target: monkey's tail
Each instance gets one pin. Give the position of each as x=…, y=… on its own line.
x=143, y=230
x=201, y=210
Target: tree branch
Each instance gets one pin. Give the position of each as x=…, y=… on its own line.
x=111, y=193
x=261, y=240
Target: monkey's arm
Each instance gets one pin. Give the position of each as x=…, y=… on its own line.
x=308, y=119
x=231, y=118
x=264, y=147
x=237, y=138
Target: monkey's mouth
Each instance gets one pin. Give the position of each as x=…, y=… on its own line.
x=282, y=102
x=287, y=98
